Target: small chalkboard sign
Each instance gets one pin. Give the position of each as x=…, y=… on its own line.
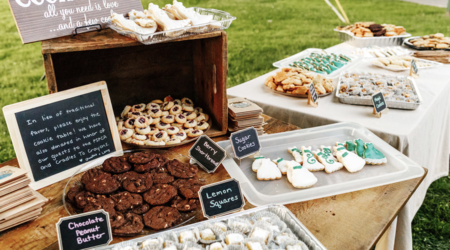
x=55, y=134
x=312, y=96
x=245, y=142
x=207, y=153
x=84, y=230
x=379, y=104
x=414, y=72
x=221, y=198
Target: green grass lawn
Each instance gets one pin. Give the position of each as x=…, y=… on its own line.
x=264, y=32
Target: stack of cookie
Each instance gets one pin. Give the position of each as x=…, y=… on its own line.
x=137, y=190
x=244, y=114
x=18, y=202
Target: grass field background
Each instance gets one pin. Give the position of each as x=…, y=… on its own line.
x=264, y=32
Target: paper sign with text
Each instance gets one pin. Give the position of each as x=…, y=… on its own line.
x=245, y=142
x=84, y=230
x=221, y=198
x=54, y=134
x=39, y=20
x=207, y=153
x=378, y=102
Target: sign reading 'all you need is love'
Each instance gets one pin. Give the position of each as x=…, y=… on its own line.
x=39, y=20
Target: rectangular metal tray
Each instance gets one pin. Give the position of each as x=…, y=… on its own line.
x=398, y=168
x=305, y=53
x=390, y=104
x=285, y=215
x=222, y=21
x=370, y=41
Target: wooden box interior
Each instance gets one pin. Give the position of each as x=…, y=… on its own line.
x=195, y=68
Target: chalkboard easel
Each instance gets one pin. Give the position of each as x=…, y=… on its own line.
x=57, y=134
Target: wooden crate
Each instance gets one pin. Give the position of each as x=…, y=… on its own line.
x=194, y=67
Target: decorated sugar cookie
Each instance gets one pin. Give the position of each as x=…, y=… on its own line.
x=268, y=171
x=331, y=164
x=327, y=149
x=282, y=165
x=257, y=163
x=297, y=154
x=351, y=146
x=309, y=161
x=299, y=176
x=359, y=148
x=372, y=155
x=351, y=161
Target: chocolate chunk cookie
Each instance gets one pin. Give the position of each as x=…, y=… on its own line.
x=116, y=165
x=133, y=225
x=185, y=205
x=161, y=217
x=190, y=191
x=160, y=194
x=128, y=175
x=181, y=182
x=124, y=201
x=91, y=174
x=140, y=184
x=141, y=157
x=142, y=209
x=162, y=178
x=83, y=198
x=100, y=202
x=73, y=191
x=117, y=220
x=181, y=170
x=102, y=183
x=154, y=163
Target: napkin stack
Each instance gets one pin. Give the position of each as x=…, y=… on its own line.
x=18, y=202
x=243, y=114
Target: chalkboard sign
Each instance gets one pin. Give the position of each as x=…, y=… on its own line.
x=207, y=153
x=39, y=20
x=379, y=103
x=54, y=134
x=83, y=231
x=245, y=142
x=221, y=198
x=313, y=93
x=414, y=68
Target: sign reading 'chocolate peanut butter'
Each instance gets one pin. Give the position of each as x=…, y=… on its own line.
x=54, y=134
x=83, y=231
x=39, y=20
x=245, y=142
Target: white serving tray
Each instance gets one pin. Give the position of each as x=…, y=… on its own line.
x=258, y=193
x=305, y=53
x=432, y=63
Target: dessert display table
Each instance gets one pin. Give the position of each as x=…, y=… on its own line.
x=356, y=219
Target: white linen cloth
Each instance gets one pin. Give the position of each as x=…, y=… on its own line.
x=422, y=134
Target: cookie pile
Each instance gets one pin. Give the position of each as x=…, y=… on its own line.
x=160, y=123
x=437, y=41
x=141, y=189
x=352, y=154
x=260, y=230
x=322, y=63
x=371, y=29
x=296, y=81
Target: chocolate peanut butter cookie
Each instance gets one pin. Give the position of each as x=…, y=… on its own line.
x=139, y=184
x=100, y=202
x=184, y=205
x=91, y=174
x=160, y=194
x=141, y=157
x=102, y=183
x=162, y=178
x=154, y=163
x=142, y=209
x=117, y=220
x=181, y=170
x=133, y=225
x=161, y=217
x=83, y=198
x=127, y=175
x=116, y=165
x=125, y=201
x=73, y=191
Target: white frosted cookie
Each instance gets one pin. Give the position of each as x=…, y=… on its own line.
x=299, y=176
x=331, y=164
x=257, y=163
x=372, y=155
x=351, y=161
x=268, y=171
x=309, y=161
x=297, y=154
x=282, y=165
x=329, y=150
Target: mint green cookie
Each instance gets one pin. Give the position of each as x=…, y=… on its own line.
x=359, y=147
x=351, y=146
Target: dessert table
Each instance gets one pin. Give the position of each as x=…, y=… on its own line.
x=406, y=130
x=354, y=220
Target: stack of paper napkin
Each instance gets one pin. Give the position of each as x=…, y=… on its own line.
x=243, y=114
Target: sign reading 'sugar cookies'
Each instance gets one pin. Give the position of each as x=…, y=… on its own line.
x=39, y=20
x=245, y=142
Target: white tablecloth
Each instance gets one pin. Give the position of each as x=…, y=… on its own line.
x=422, y=134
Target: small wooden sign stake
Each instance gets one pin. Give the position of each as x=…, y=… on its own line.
x=313, y=98
x=414, y=71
